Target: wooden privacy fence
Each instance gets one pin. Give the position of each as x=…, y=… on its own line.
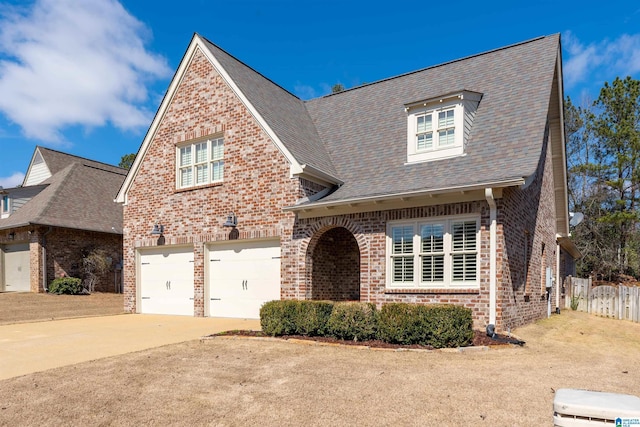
x=619, y=302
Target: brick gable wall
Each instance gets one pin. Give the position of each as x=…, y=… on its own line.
x=526, y=222
x=256, y=178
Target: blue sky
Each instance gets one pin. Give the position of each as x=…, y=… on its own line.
x=86, y=77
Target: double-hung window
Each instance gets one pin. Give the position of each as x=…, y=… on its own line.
x=438, y=253
x=436, y=127
x=200, y=163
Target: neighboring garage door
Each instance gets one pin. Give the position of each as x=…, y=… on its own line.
x=166, y=281
x=16, y=268
x=242, y=277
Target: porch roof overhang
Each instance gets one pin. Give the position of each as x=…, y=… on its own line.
x=569, y=246
x=310, y=209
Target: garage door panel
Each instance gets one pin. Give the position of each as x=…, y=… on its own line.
x=16, y=263
x=242, y=277
x=166, y=281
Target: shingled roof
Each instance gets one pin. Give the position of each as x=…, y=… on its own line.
x=360, y=135
x=357, y=138
x=365, y=129
x=79, y=195
x=284, y=112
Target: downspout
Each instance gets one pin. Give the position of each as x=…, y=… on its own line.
x=44, y=259
x=558, y=278
x=488, y=194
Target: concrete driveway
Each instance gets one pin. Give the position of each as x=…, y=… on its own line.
x=34, y=347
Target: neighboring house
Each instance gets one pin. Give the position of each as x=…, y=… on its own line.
x=63, y=210
x=444, y=185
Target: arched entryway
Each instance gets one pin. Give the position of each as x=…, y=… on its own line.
x=335, y=266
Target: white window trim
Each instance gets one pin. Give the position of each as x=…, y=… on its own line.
x=5, y=212
x=436, y=152
x=210, y=161
x=417, y=283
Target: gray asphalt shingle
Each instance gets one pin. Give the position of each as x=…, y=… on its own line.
x=360, y=135
x=79, y=195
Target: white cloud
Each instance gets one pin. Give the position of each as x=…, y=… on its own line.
x=602, y=61
x=75, y=62
x=11, y=181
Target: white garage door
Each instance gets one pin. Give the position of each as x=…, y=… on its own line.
x=242, y=277
x=166, y=281
x=16, y=268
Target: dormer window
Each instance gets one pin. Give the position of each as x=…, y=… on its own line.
x=5, y=206
x=437, y=128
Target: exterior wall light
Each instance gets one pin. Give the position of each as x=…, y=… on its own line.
x=232, y=221
x=12, y=235
x=158, y=230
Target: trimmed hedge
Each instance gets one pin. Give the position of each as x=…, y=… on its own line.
x=399, y=323
x=66, y=285
x=290, y=317
x=438, y=326
x=355, y=321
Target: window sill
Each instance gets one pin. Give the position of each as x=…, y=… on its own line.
x=199, y=187
x=471, y=291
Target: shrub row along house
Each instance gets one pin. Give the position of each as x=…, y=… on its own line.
x=444, y=185
x=62, y=212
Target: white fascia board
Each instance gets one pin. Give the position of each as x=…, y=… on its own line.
x=381, y=198
x=229, y=81
x=153, y=128
x=562, y=206
x=197, y=43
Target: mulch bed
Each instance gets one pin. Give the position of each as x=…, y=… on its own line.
x=479, y=339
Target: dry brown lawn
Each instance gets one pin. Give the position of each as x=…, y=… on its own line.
x=32, y=307
x=249, y=382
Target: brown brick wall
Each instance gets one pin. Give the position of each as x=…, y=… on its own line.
x=257, y=186
x=335, y=268
x=256, y=178
x=526, y=222
x=369, y=231
x=64, y=249
x=67, y=247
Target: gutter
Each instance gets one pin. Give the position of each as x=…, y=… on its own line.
x=488, y=193
x=379, y=198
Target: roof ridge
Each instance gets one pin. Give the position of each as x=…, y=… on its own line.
x=78, y=157
x=453, y=61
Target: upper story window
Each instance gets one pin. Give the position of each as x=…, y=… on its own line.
x=200, y=163
x=437, y=128
x=5, y=206
x=434, y=253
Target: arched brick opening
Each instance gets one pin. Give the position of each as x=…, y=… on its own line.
x=334, y=260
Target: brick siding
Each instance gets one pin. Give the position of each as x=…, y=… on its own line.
x=64, y=252
x=256, y=179
x=319, y=256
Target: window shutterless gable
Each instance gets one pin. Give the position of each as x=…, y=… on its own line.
x=200, y=163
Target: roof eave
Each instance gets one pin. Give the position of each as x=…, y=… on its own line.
x=404, y=195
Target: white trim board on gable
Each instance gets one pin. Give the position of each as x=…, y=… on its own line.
x=198, y=44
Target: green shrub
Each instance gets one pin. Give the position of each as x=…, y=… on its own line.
x=66, y=285
x=295, y=317
x=434, y=325
x=353, y=321
x=398, y=323
x=448, y=325
x=312, y=317
x=278, y=317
